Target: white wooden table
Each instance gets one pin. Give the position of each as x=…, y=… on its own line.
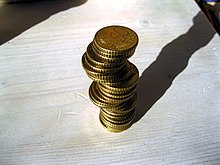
x=46, y=116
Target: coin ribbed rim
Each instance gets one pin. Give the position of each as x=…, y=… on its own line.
x=118, y=120
x=124, y=107
x=95, y=68
x=116, y=95
x=131, y=78
x=113, y=130
x=96, y=92
x=122, y=52
x=100, y=61
x=97, y=102
x=115, y=80
x=119, y=88
x=91, y=69
x=99, y=69
x=107, y=77
x=104, y=77
x=113, y=56
x=100, y=102
x=112, y=98
x=116, y=127
x=120, y=112
x=118, y=117
x=109, y=52
x=116, y=124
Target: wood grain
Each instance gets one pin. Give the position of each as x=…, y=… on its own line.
x=46, y=116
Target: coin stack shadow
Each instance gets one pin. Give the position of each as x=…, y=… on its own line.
x=114, y=78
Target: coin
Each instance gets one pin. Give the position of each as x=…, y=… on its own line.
x=101, y=69
x=99, y=100
x=113, y=57
x=112, y=127
x=122, y=108
x=130, y=78
x=97, y=60
x=114, y=77
x=115, y=40
x=110, y=98
x=116, y=95
x=117, y=90
x=105, y=76
x=122, y=118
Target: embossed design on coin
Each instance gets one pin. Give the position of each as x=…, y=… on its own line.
x=116, y=38
x=114, y=78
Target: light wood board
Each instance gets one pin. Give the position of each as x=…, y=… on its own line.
x=46, y=116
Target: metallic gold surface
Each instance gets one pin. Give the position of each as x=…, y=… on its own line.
x=115, y=40
x=114, y=77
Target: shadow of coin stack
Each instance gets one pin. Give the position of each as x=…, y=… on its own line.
x=114, y=78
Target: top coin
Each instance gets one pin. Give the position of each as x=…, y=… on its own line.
x=116, y=39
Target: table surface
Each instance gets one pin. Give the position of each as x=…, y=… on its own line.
x=46, y=116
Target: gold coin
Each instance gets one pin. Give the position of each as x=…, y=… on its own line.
x=118, y=78
x=116, y=57
x=130, y=78
x=102, y=76
x=112, y=101
x=110, y=129
x=110, y=98
x=96, y=69
x=117, y=90
x=116, y=40
x=118, y=113
x=115, y=78
x=115, y=95
x=99, y=100
x=120, y=121
x=123, y=118
x=98, y=61
x=101, y=69
x=110, y=58
x=95, y=99
x=115, y=127
x=124, y=108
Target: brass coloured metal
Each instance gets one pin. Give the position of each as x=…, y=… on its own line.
x=114, y=78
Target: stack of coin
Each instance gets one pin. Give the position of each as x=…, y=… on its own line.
x=114, y=78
